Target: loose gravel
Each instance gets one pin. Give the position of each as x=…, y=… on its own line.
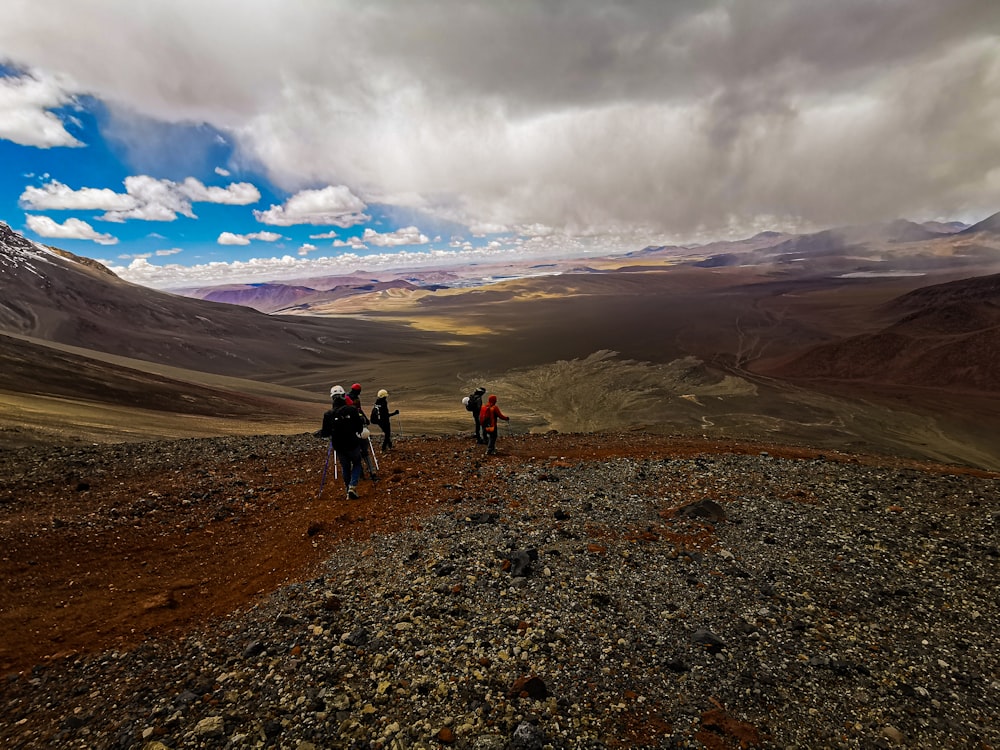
x=717, y=601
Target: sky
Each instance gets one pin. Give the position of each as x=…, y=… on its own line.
x=187, y=143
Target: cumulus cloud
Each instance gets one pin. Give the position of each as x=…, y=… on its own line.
x=55, y=196
x=292, y=267
x=307, y=248
x=235, y=194
x=71, y=229
x=25, y=111
x=590, y=118
x=228, y=238
x=404, y=236
x=335, y=205
x=145, y=197
x=354, y=243
x=169, y=251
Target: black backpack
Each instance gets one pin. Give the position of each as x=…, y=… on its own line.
x=475, y=402
x=345, y=421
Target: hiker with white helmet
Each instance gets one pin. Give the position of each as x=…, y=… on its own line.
x=381, y=415
x=343, y=424
x=474, y=403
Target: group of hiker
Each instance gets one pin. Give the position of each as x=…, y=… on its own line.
x=346, y=427
x=485, y=416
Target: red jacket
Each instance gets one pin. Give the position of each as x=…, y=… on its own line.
x=489, y=415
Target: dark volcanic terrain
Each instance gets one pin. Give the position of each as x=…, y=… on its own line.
x=747, y=498
x=576, y=591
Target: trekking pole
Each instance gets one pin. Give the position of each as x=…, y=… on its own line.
x=334, y=461
x=374, y=457
x=326, y=466
x=399, y=426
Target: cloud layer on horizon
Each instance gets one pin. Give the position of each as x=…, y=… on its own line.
x=589, y=117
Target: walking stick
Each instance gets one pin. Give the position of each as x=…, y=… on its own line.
x=374, y=457
x=326, y=466
x=399, y=426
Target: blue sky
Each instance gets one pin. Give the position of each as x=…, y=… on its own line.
x=51, y=194
x=189, y=142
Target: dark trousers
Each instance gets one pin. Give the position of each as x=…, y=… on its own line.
x=491, y=439
x=480, y=432
x=386, y=435
x=350, y=465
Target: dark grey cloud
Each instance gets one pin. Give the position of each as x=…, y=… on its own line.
x=680, y=118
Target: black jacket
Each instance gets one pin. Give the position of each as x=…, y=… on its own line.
x=381, y=413
x=343, y=423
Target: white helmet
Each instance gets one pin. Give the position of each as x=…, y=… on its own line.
x=383, y=393
x=337, y=390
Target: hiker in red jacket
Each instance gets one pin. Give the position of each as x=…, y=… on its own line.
x=488, y=417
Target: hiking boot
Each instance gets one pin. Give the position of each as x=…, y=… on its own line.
x=373, y=477
x=352, y=493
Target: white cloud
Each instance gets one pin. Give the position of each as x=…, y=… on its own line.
x=403, y=236
x=354, y=243
x=145, y=197
x=25, y=118
x=71, y=229
x=169, y=252
x=291, y=267
x=54, y=196
x=228, y=238
x=323, y=236
x=222, y=172
x=335, y=205
x=235, y=194
x=307, y=248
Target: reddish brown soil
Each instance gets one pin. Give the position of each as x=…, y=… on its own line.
x=108, y=557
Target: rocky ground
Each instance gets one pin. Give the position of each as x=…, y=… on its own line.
x=575, y=591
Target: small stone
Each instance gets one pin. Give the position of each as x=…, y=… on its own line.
x=527, y=737
x=445, y=735
x=211, y=726
x=892, y=734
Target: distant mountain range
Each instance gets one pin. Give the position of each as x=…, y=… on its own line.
x=857, y=307
x=276, y=297
x=55, y=296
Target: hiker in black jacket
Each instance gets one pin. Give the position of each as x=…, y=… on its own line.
x=343, y=425
x=381, y=416
x=474, y=403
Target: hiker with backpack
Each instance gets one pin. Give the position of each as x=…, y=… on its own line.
x=343, y=424
x=354, y=399
x=474, y=403
x=488, y=417
x=381, y=416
